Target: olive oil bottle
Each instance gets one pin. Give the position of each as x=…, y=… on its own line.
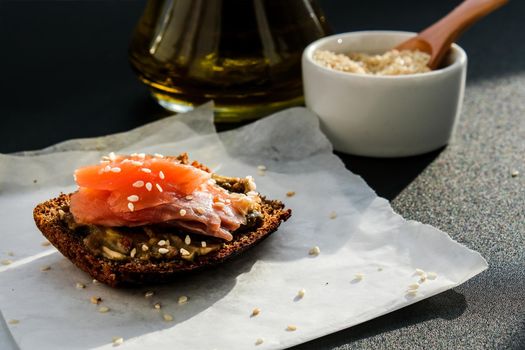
x=243, y=54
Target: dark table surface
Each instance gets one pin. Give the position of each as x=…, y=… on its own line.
x=65, y=75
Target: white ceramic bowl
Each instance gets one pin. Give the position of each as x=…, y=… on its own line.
x=383, y=116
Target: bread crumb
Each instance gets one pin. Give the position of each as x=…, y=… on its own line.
x=291, y=328
x=333, y=215
x=10, y=253
x=95, y=300
x=95, y=281
x=149, y=294
x=167, y=317
x=261, y=167
x=45, y=244
x=514, y=173
x=255, y=312
x=290, y=193
x=157, y=306
x=432, y=275
x=259, y=341
x=45, y=268
x=13, y=321
x=182, y=300
x=80, y=285
x=379, y=269
x=6, y=262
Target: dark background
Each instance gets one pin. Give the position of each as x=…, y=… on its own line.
x=65, y=74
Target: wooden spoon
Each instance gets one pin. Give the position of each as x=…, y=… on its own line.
x=436, y=39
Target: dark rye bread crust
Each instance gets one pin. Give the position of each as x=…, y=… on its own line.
x=135, y=272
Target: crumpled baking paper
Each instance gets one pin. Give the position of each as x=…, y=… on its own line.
x=357, y=232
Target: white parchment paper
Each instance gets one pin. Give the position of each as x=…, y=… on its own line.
x=366, y=237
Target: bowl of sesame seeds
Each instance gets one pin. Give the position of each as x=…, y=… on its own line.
x=378, y=102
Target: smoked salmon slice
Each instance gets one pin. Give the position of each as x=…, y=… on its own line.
x=142, y=189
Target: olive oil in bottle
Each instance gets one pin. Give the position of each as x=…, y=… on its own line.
x=243, y=54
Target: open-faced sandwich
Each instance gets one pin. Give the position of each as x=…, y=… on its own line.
x=142, y=219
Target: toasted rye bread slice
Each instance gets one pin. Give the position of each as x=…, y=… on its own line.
x=135, y=272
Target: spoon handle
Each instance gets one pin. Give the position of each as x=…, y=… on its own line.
x=444, y=32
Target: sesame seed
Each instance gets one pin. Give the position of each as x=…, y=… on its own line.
x=131, y=207
x=203, y=244
x=105, y=158
x=261, y=167
x=112, y=156
x=103, y=309
x=137, y=163
x=432, y=275
x=134, y=154
x=133, y=252
x=182, y=212
x=423, y=278
x=333, y=215
x=145, y=170
x=138, y=184
x=187, y=240
x=45, y=244
x=301, y=293
x=412, y=292
x=61, y=213
x=133, y=198
x=261, y=172
x=314, y=251
x=158, y=187
x=255, y=312
x=45, y=268
x=164, y=250
x=514, y=173
x=149, y=186
x=189, y=197
x=161, y=175
x=157, y=306
x=80, y=285
x=13, y=321
x=167, y=317
x=145, y=248
x=420, y=272
x=116, y=170
x=95, y=300
x=158, y=155
x=95, y=281
x=141, y=155
x=199, y=210
x=107, y=169
x=359, y=276
x=290, y=193
x=161, y=243
x=219, y=205
x=259, y=341
x=291, y=328
x=182, y=300
x=149, y=294
x=104, y=162
x=413, y=286
x=184, y=252
x=379, y=269
x=6, y=262
x=117, y=341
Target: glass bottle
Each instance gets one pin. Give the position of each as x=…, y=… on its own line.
x=243, y=54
